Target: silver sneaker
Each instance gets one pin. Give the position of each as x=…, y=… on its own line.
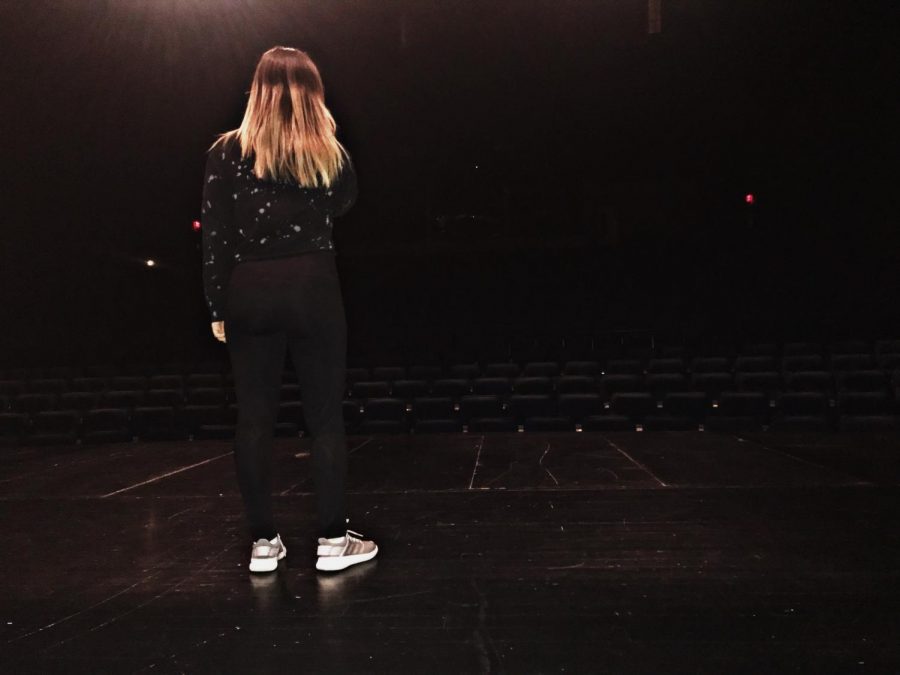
x=266, y=553
x=355, y=549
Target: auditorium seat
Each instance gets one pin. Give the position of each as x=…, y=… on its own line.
x=33, y=403
x=501, y=386
x=54, y=427
x=613, y=384
x=866, y=411
x=206, y=396
x=61, y=372
x=887, y=347
x=767, y=383
x=157, y=422
x=582, y=368
x=633, y=405
x=407, y=389
x=536, y=384
x=175, y=382
x=888, y=361
x=125, y=400
x=369, y=389
x=203, y=421
x=712, y=383
x=178, y=368
x=815, y=380
x=100, y=370
x=541, y=369
x=485, y=412
x=575, y=384
x=384, y=415
x=388, y=373
x=805, y=362
x=166, y=398
x=659, y=366
x=435, y=414
x=106, y=425
x=47, y=386
x=806, y=411
x=91, y=384
x=680, y=411
x=464, y=371
x=759, y=349
x=537, y=412
x=623, y=367
x=127, y=383
x=861, y=380
x=578, y=406
x=13, y=428
x=505, y=370
x=357, y=374
x=12, y=388
x=660, y=384
x=710, y=364
x=842, y=362
x=80, y=401
x=290, y=420
x=754, y=364
x=850, y=347
x=453, y=387
x=802, y=349
x=429, y=373
x=738, y=411
x=204, y=381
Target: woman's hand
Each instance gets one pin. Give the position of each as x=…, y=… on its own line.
x=218, y=329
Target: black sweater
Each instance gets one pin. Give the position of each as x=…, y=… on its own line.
x=244, y=218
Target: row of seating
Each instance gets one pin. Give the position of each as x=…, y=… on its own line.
x=847, y=354
x=657, y=384
x=733, y=411
x=789, y=366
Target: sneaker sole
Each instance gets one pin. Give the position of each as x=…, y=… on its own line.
x=333, y=563
x=265, y=564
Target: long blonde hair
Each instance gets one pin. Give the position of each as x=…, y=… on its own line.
x=286, y=124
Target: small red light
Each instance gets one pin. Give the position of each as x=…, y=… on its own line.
x=749, y=198
x=196, y=225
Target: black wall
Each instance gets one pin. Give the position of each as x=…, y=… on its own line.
x=600, y=169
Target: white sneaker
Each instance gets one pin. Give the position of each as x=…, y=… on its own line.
x=266, y=553
x=348, y=550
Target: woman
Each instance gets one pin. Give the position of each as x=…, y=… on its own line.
x=271, y=191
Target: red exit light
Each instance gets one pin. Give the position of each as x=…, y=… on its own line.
x=749, y=198
x=196, y=225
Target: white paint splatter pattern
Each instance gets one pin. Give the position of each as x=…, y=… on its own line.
x=266, y=218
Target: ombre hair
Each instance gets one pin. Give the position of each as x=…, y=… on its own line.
x=286, y=125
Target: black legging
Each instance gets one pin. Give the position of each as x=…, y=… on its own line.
x=292, y=302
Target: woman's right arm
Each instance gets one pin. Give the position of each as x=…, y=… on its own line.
x=217, y=231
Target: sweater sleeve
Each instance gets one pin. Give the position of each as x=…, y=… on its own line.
x=344, y=191
x=219, y=239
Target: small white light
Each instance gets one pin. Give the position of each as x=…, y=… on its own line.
x=151, y=263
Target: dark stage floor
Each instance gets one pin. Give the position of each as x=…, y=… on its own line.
x=513, y=553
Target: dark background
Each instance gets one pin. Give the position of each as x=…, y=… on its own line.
x=525, y=166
